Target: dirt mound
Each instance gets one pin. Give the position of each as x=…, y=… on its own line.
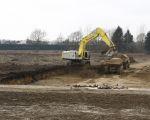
x=143, y=73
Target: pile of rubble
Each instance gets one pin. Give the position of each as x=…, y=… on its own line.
x=103, y=86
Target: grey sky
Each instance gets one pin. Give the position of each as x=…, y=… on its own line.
x=18, y=18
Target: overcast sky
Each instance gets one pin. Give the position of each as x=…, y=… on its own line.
x=18, y=18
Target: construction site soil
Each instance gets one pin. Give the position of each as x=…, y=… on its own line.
x=74, y=104
x=35, y=76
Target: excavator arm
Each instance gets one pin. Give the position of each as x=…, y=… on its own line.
x=98, y=32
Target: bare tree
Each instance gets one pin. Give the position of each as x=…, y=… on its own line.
x=75, y=37
x=142, y=28
x=38, y=35
x=87, y=30
x=141, y=38
x=110, y=32
x=59, y=39
x=140, y=41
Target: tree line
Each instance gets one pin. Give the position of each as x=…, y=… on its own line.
x=125, y=42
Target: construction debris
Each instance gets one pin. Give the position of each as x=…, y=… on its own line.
x=104, y=86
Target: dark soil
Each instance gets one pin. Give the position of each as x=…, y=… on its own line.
x=26, y=74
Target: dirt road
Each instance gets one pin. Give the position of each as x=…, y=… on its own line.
x=28, y=102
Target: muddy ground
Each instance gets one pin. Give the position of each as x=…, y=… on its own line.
x=44, y=70
x=74, y=105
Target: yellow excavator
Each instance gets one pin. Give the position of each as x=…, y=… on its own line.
x=114, y=60
x=98, y=32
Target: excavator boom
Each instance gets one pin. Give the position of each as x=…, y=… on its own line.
x=98, y=32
